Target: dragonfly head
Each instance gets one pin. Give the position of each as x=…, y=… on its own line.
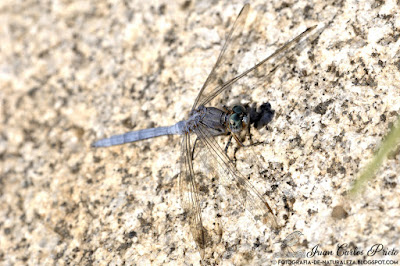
x=238, y=119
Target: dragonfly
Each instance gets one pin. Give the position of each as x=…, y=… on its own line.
x=204, y=124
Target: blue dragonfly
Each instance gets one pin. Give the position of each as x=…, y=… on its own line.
x=208, y=122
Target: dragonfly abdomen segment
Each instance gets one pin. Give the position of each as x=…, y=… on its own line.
x=142, y=134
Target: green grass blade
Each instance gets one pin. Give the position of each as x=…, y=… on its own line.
x=387, y=146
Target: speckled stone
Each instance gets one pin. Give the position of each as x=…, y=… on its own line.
x=72, y=72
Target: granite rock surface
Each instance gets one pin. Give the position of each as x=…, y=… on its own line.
x=72, y=72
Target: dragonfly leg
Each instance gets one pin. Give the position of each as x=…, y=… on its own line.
x=228, y=144
x=236, y=137
x=238, y=140
x=194, y=146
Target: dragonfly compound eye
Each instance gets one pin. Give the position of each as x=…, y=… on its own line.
x=235, y=123
x=238, y=109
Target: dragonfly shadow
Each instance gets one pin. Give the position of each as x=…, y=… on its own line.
x=261, y=116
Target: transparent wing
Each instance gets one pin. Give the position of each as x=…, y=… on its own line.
x=237, y=184
x=211, y=89
x=225, y=58
x=292, y=239
x=189, y=195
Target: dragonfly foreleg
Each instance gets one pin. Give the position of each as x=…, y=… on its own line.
x=238, y=140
